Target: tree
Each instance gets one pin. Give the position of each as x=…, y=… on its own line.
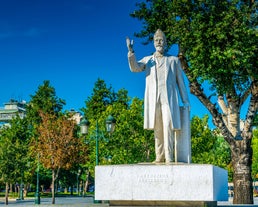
x=202, y=139
x=58, y=146
x=44, y=100
x=101, y=97
x=208, y=146
x=218, y=43
x=13, y=152
x=68, y=178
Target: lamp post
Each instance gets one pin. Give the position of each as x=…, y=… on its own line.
x=37, y=194
x=21, y=191
x=110, y=126
x=78, y=175
x=21, y=197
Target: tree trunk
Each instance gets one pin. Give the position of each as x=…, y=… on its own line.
x=53, y=187
x=26, y=187
x=86, y=182
x=19, y=191
x=6, y=193
x=84, y=188
x=72, y=190
x=16, y=189
x=242, y=169
x=11, y=188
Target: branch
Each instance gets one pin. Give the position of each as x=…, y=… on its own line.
x=196, y=89
x=244, y=96
x=224, y=109
x=57, y=173
x=222, y=104
x=252, y=110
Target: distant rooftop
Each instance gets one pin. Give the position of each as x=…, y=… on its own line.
x=11, y=109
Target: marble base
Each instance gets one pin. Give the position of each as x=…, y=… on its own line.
x=150, y=183
x=165, y=203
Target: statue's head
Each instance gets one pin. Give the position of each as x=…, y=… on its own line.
x=160, y=41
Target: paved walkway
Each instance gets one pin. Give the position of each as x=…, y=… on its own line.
x=60, y=201
x=83, y=202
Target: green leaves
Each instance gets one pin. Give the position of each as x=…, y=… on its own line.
x=45, y=100
x=255, y=154
x=14, y=150
x=207, y=145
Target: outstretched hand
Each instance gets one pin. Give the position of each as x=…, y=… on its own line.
x=129, y=44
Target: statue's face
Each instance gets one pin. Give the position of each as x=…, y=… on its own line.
x=159, y=43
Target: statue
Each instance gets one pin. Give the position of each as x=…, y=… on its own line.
x=164, y=84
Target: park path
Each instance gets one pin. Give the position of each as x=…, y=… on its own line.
x=60, y=201
x=84, y=202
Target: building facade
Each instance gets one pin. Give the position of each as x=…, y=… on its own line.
x=12, y=109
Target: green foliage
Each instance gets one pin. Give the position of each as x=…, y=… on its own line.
x=129, y=143
x=256, y=120
x=101, y=97
x=207, y=145
x=202, y=137
x=68, y=178
x=45, y=178
x=14, y=150
x=45, y=100
x=218, y=38
x=255, y=154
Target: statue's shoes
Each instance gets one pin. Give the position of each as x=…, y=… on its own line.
x=158, y=161
x=168, y=162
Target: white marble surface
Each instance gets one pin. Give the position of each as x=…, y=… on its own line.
x=150, y=182
x=183, y=141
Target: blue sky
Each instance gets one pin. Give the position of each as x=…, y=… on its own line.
x=72, y=43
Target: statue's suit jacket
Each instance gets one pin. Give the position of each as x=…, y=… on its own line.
x=174, y=83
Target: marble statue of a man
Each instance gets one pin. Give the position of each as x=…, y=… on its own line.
x=164, y=84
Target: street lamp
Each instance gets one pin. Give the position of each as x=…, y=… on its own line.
x=110, y=126
x=84, y=125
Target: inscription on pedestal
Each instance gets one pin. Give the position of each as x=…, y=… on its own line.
x=153, y=178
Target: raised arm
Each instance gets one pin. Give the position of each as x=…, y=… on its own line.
x=133, y=64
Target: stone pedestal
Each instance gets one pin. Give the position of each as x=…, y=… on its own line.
x=157, y=185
